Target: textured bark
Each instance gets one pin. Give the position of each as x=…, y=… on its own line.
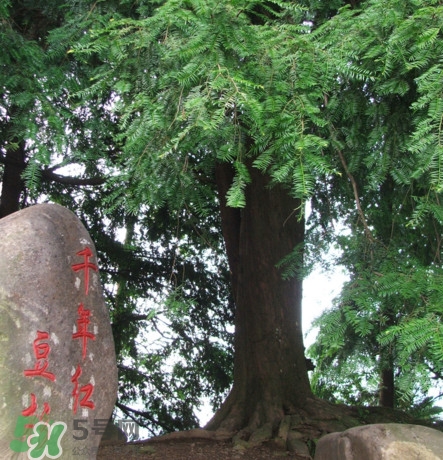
x=385, y=227
x=50, y=176
x=231, y=221
x=270, y=376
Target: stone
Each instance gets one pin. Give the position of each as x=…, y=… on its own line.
x=389, y=441
x=297, y=446
x=58, y=373
x=261, y=434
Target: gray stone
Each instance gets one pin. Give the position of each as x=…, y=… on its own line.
x=261, y=434
x=58, y=371
x=390, y=441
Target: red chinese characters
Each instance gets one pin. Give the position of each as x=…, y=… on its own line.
x=82, y=328
x=82, y=393
x=36, y=403
x=41, y=352
x=86, y=266
x=32, y=409
x=85, y=389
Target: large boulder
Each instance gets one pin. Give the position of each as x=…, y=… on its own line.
x=58, y=379
x=389, y=441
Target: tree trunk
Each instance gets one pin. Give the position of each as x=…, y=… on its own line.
x=270, y=376
x=12, y=184
x=387, y=387
x=385, y=226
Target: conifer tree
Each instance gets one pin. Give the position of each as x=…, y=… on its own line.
x=57, y=146
x=252, y=108
x=258, y=97
x=384, y=123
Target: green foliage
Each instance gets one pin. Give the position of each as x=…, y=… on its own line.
x=340, y=103
x=170, y=308
x=382, y=318
x=42, y=123
x=202, y=81
x=292, y=264
x=384, y=117
x=70, y=142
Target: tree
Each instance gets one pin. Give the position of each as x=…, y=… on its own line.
x=252, y=107
x=257, y=97
x=347, y=350
x=384, y=123
x=57, y=146
x=212, y=92
x=42, y=129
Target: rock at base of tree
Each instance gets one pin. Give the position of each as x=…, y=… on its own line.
x=58, y=379
x=390, y=441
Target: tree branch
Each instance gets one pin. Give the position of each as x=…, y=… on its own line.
x=48, y=175
x=129, y=317
x=128, y=369
x=131, y=412
x=361, y=214
x=8, y=160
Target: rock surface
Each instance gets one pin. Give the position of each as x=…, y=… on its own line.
x=58, y=373
x=389, y=441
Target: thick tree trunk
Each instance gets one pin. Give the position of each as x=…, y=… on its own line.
x=270, y=376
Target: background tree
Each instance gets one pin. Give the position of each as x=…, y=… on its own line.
x=57, y=146
x=43, y=130
x=385, y=125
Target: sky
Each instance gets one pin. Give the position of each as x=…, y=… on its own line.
x=319, y=290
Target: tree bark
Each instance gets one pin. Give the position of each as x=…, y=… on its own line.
x=385, y=227
x=270, y=376
x=387, y=388
x=12, y=184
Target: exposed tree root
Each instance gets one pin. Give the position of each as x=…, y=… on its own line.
x=296, y=431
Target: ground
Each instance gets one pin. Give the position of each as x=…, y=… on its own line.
x=191, y=449
x=295, y=433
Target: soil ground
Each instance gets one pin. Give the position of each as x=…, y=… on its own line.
x=200, y=445
x=190, y=449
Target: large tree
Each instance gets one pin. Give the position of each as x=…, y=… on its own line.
x=258, y=98
x=270, y=377
x=251, y=106
x=228, y=94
